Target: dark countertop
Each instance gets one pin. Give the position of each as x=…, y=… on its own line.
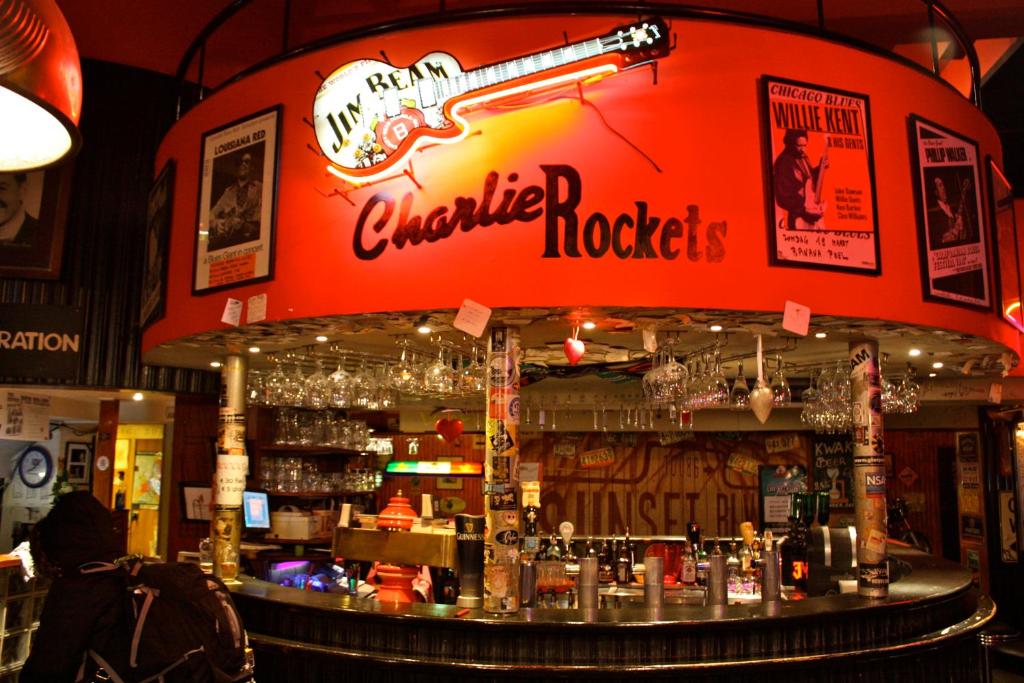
x=932, y=580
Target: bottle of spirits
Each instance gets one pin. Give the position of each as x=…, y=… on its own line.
x=554, y=552
x=702, y=563
x=732, y=569
x=689, y=572
x=623, y=567
x=630, y=550
x=605, y=574
x=591, y=552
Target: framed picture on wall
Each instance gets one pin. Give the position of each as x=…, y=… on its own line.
x=449, y=483
x=33, y=212
x=1005, y=246
x=953, y=241
x=158, y=231
x=820, y=176
x=234, y=241
x=78, y=462
x=196, y=501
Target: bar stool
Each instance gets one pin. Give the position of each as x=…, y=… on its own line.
x=991, y=638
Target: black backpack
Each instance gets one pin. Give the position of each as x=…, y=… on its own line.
x=183, y=625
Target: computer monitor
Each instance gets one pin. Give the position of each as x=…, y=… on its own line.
x=256, y=508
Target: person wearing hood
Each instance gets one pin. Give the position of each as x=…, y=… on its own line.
x=84, y=614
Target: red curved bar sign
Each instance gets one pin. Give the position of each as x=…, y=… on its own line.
x=646, y=187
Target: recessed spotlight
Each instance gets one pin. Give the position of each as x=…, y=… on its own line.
x=214, y=363
x=821, y=335
x=715, y=328
x=254, y=349
x=137, y=396
x=589, y=325
x=933, y=374
x=423, y=329
x=937, y=364
x=915, y=352
x=321, y=338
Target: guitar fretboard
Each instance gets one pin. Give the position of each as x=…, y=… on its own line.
x=494, y=74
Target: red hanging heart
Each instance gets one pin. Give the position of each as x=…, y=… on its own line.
x=574, y=350
x=449, y=429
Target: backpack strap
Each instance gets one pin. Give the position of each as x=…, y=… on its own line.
x=97, y=567
x=114, y=677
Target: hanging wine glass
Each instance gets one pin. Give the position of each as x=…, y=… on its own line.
x=438, y=378
x=294, y=390
x=781, y=393
x=362, y=385
x=811, y=400
x=318, y=391
x=739, y=398
x=402, y=374
x=890, y=399
x=275, y=384
x=255, y=388
x=340, y=388
x=909, y=392
x=718, y=384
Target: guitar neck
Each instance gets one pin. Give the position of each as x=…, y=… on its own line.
x=504, y=72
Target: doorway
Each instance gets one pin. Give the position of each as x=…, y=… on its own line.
x=138, y=466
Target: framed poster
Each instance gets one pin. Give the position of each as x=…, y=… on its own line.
x=196, y=501
x=775, y=484
x=33, y=211
x=1005, y=246
x=833, y=470
x=822, y=211
x=78, y=462
x=449, y=483
x=950, y=222
x=237, y=189
x=158, y=231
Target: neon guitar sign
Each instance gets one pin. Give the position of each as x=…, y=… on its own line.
x=369, y=116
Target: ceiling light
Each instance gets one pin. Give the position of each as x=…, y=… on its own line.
x=937, y=364
x=254, y=349
x=933, y=374
x=214, y=363
x=914, y=352
x=321, y=338
x=40, y=87
x=137, y=396
x=423, y=329
x=715, y=328
x=821, y=335
x=589, y=325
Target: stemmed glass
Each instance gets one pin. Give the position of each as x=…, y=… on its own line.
x=403, y=375
x=340, y=388
x=739, y=399
x=362, y=384
x=274, y=384
x=909, y=392
x=294, y=390
x=317, y=387
x=439, y=377
x=717, y=384
x=781, y=393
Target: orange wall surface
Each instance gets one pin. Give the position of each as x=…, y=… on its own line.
x=702, y=125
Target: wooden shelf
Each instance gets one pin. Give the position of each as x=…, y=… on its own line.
x=310, y=450
x=318, y=494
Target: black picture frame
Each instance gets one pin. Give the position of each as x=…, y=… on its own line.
x=38, y=249
x=196, y=501
x=770, y=153
x=1003, y=215
x=927, y=230
x=233, y=232
x=158, y=232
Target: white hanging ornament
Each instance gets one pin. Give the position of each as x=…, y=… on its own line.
x=761, y=394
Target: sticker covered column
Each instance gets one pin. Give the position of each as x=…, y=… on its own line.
x=869, y=470
x=501, y=548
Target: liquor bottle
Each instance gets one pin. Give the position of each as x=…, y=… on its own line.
x=554, y=552
x=702, y=563
x=623, y=567
x=689, y=573
x=732, y=569
x=630, y=550
x=591, y=552
x=604, y=563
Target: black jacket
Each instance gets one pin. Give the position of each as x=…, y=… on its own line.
x=82, y=612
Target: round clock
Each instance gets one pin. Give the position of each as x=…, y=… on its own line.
x=35, y=467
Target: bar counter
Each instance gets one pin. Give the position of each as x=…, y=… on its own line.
x=925, y=630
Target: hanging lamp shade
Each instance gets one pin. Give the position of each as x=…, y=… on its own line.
x=40, y=86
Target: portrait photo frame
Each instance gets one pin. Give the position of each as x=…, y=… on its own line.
x=953, y=239
x=37, y=220
x=236, y=209
x=196, y=501
x=158, y=233
x=78, y=462
x=820, y=214
x=1006, y=264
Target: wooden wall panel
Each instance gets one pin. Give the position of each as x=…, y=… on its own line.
x=195, y=436
x=469, y=447
x=917, y=452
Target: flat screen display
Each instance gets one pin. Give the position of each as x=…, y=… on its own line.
x=256, y=508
